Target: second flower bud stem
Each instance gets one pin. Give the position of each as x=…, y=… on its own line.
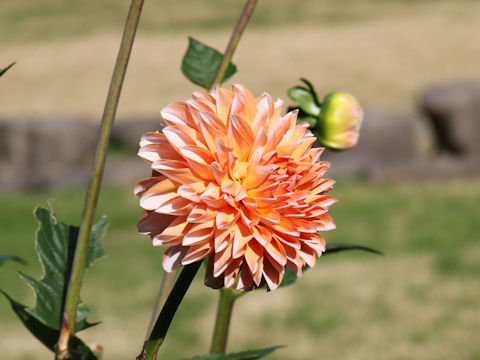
x=222, y=322
x=233, y=42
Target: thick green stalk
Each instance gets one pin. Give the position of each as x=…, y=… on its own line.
x=159, y=331
x=168, y=281
x=233, y=42
x=78, y=267
x=222, y=322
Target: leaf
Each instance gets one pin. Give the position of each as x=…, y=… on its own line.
x=290, y=276
x=200, y=64
x=337, y=247
x=312, y=91
x=305, y=100
x=245, y=355
x=5, y=258
x=4, y=70
x=45, y=334
x=312, y=121
x=55, y=245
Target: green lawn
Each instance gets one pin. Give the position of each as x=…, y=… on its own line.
x=418, y=301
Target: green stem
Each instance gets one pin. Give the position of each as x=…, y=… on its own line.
x=222, y=322
x=233, y=42
x=78, y=267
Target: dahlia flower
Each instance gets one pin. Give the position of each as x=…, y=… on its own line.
x=235, y=181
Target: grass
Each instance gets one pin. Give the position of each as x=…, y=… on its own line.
x=419, y=300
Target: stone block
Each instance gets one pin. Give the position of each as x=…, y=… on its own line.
x=45, y=152
x=126, y=133
x=453, y=111
x=387, y=139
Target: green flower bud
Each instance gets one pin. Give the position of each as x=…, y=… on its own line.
x=339, y=122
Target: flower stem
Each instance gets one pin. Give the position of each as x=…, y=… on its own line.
x=222, y=322
x=233, y=42
x=78, y=267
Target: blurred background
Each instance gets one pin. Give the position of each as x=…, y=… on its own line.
x=411, y=188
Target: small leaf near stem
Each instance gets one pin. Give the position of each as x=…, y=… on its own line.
x=233, y=42
x=200, y=64
x=222, y=322
x=96, y=177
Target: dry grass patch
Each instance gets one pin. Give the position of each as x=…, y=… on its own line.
x=386, y=60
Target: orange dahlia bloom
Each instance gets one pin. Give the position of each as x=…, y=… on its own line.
x=235, y=181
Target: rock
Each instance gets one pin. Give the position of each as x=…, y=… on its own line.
x=44, y=153
x=126, y=134
x=125, y=171
x=387, y=139
x=442, y=167
x=453, y=111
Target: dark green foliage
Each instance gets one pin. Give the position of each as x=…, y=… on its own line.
x=306, y=98
x=46, y=335
x=200, y=64
x=55, y=246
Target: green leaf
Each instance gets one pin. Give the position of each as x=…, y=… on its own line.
x=305, y=100
x=45, y=334
x=4, y=70
x=245, y=355
x=5, y=258
x=290, y=276
x=312, y=121
x=55, y=245
x=312, y=91
x=337, y=247
x=200, y=64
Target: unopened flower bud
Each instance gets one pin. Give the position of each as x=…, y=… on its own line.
x=339, y=122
